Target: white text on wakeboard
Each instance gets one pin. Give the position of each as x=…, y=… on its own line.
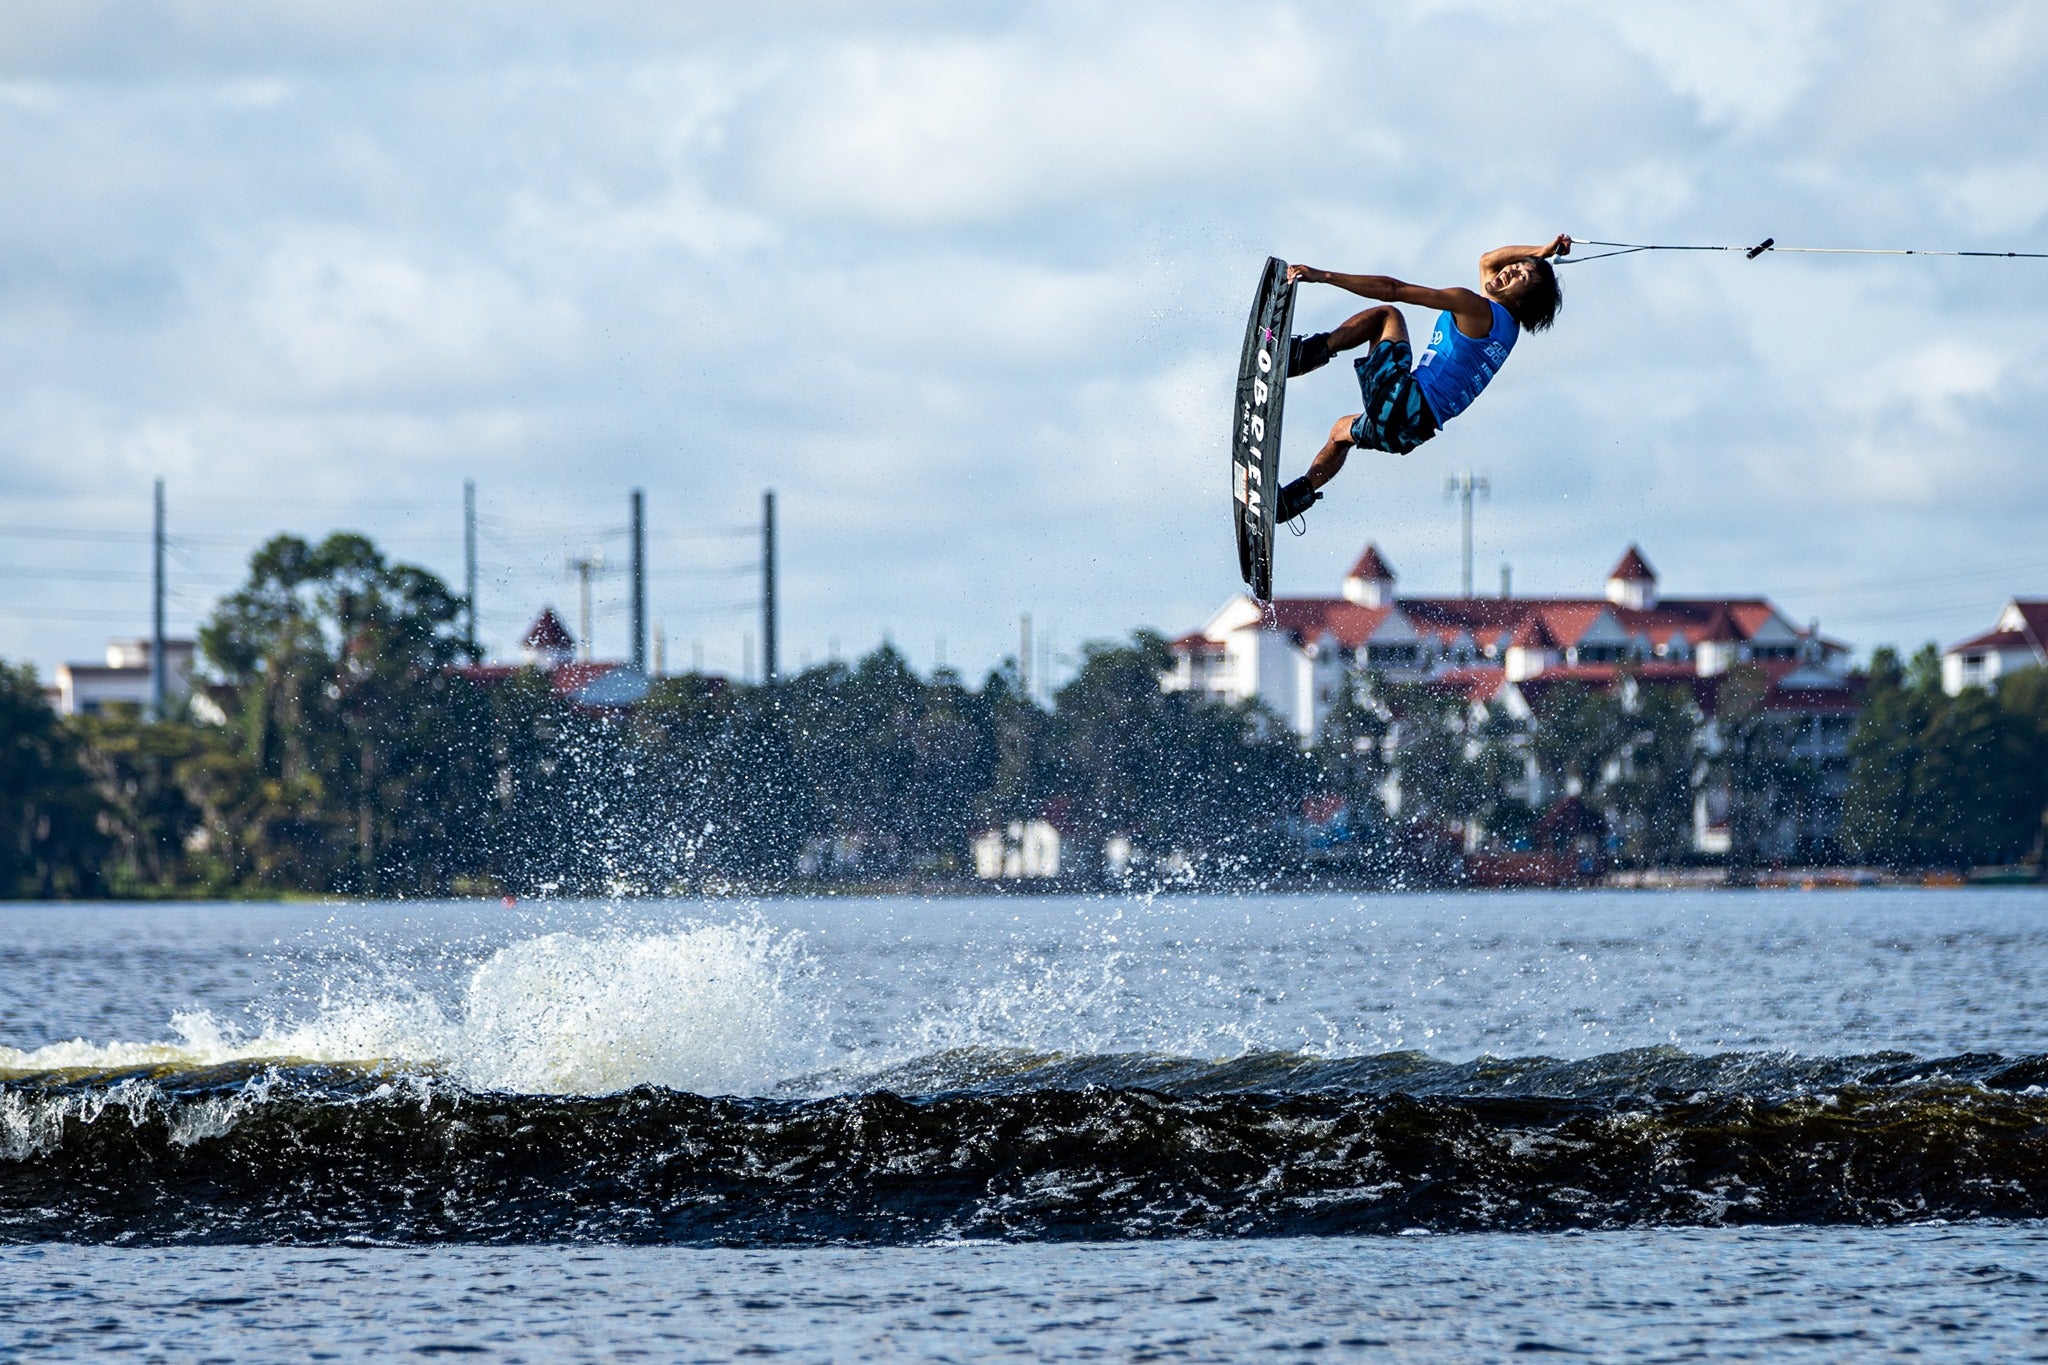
x=1251, y=430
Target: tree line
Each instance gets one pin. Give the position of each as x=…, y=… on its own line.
x=346, y=751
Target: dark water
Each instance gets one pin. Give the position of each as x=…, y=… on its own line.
x=1088, y=1148
x=1974, y=1293
x=1610, y=1101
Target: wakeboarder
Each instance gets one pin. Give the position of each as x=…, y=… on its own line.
x=1408, y=400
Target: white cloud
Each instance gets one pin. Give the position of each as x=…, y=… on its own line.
x=334, y=315
x=254, y=93
x=1084, y=104
x=965, y=285
x=1743, y=61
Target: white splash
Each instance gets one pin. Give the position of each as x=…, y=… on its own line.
x=703, y=1009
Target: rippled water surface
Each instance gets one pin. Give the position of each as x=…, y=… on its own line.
x=1756, y=1294
x=1726, y=1125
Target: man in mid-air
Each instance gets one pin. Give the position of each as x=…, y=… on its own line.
x=1408, y=400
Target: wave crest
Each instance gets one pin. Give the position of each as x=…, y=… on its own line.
x=703, y=1009
x=1029, y=1147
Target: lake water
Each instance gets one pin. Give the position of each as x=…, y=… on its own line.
x=1626, y=1126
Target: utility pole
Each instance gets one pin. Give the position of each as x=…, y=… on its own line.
x=583, y=568
x=1024, y=654
x=469, y=555
x=1507, y=581
x=768, y=588
x=639, y=580
x=159, y=679
x=1462, y=487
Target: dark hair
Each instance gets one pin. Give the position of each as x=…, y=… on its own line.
x=1538, y=306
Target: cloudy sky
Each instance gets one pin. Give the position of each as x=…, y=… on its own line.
x=965, y=285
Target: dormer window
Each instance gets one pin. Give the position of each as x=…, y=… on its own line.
x=1632, y=583
x=1371, y=580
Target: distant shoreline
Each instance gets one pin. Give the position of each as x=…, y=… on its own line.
x=1646, y=880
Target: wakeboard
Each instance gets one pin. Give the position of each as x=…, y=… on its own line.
x=1255, y=430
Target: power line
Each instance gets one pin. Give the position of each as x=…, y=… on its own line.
x=66, y=614
x=1920, y=614
x=379, y=504
x=509, y=540
x=518, y=554
x=205, y=575
x=2013, y=568
x=721, y=533
x=722, y=571
x=71, y=533
x=546, y=526
x=519, y=543
x=202, y=539
x=81, y=575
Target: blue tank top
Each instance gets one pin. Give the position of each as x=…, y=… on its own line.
x=1456, y=367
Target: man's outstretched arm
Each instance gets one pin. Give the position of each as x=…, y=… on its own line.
x=1383, y=288
x=1471, y=310
x=1493, y=260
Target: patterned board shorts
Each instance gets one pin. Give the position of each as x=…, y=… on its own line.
x=1397, y=417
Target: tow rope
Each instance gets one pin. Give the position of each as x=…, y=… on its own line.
x=1771, y=244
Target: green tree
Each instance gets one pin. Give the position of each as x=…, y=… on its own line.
x=1577, y=731
x=1940, y=781
x=1174, y=771
x=50, y=842
x=2023, y=696
x=138, y=770
x=1021, y=779
x=1351, y=754
x=1971, y=788
x=894, y=766
x=1499, y=748
x=1753, y=759
x=1434, y=770
x=1652, y=799
x=1880, y=809
x=337, y=670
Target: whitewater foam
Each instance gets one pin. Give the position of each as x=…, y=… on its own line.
x=704, y=1009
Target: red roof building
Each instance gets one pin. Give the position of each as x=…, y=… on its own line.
x=1632, y=582
x=2017, y=639
x=1371, y=580
x=1297, y=653
x=1502, y=657
x=1370, y=565
x=548, y=648
x=547, y=642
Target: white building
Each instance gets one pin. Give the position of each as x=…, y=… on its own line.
x=124, y=680
x=1499, y=656
x=1296, y=654
x=2018, y=639
x=1025, y=849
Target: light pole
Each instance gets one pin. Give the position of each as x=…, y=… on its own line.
x=469, y=559
x=770, y=663
x=1462, y=487
x=583, y=567
x=639, y=566
x=159, y=666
